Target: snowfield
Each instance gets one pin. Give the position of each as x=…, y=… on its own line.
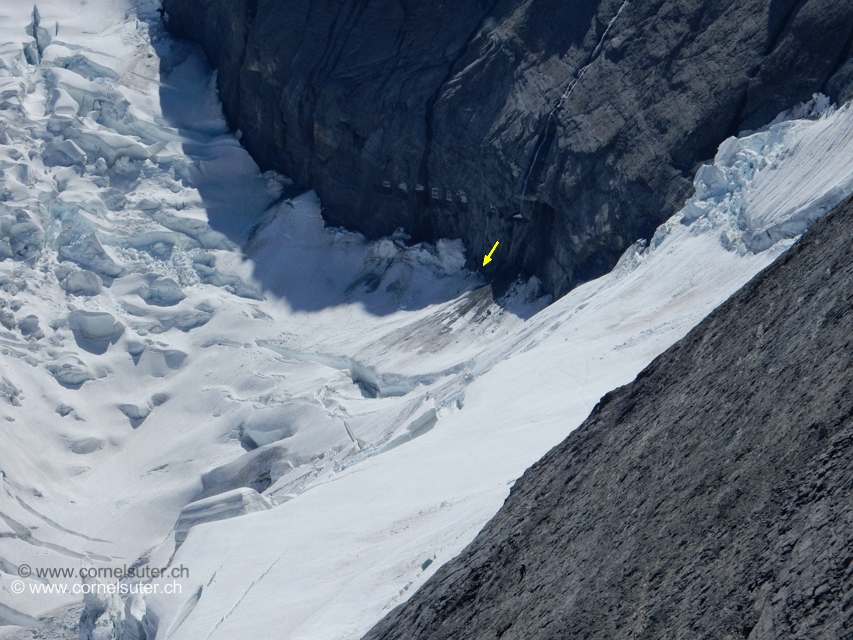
x=196, y=372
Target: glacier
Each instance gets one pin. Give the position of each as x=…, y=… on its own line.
x=196, y=371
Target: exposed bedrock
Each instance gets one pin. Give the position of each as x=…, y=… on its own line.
x=526, y=122
x=710, y=498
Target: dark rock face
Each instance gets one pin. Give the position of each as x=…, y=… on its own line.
x=710, y=498
x=528, y=122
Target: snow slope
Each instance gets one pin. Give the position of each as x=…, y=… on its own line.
x=175, y=333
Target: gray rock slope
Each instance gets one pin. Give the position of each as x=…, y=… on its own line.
x=710, y=498
x=544, y=124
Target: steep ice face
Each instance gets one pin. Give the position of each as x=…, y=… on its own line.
x=187, y=356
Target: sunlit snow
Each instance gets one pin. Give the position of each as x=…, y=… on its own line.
x=196, y=372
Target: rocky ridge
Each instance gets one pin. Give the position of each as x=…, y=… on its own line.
x=710, y=498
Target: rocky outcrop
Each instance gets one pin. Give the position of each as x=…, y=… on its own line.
x=556, y=127
x=710, y=498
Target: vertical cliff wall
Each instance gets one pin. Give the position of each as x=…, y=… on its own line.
x=566, y=130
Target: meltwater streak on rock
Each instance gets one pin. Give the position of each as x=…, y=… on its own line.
x=426, y=117
x=543, y=140
x=710, y=498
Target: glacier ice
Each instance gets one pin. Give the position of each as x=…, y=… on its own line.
x=95, y=325
x=748, y=191
x=82, y=282
x=222, y=506
x=316, y=413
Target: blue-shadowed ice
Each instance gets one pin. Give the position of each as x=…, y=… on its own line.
x=195, y=371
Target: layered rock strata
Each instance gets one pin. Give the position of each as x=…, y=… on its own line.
x=565, y=130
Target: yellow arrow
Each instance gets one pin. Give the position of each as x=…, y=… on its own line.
x=487, y=259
